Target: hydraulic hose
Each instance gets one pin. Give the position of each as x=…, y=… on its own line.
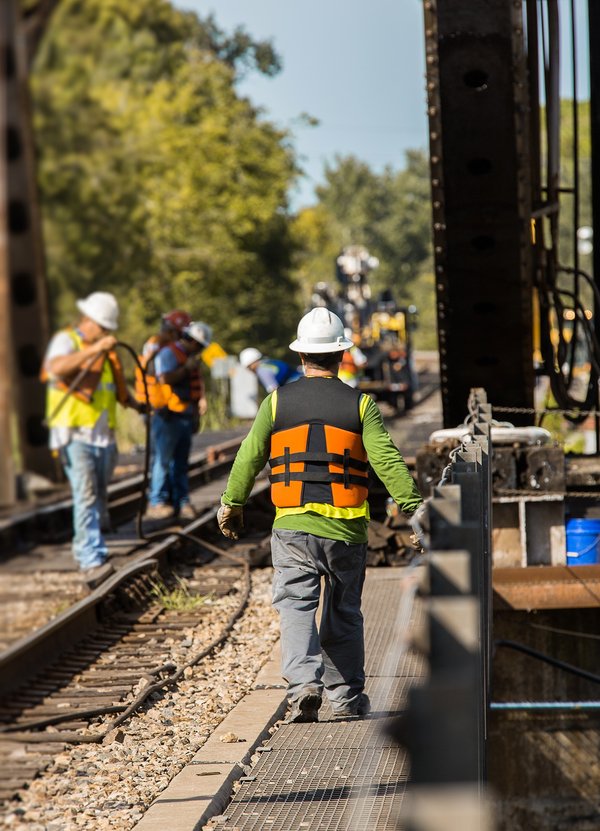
x=158, y=535
x=156, y=677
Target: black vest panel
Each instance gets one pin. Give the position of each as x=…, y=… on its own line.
x=318, y=400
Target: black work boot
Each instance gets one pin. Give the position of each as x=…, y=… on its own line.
x=358, y=709
x=305, y=708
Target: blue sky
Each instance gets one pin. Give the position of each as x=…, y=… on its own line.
x=358, y=67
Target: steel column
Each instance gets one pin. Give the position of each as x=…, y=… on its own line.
x=7, y=479
x=24, y=291
x=481, y=200
x=594, y=35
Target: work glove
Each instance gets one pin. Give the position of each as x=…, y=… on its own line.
x=416, y=522
x=231, y=520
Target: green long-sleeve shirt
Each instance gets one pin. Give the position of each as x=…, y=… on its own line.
x=384, y=458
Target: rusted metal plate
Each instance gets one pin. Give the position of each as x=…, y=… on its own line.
x=547, y=587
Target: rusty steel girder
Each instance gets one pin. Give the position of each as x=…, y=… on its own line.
x=548, y=587
x=23, y=294
x=478, y=122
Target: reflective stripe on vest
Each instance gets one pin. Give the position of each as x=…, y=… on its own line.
x=76, y=412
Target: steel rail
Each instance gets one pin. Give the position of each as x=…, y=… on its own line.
x=40, y=648
x=127, y=490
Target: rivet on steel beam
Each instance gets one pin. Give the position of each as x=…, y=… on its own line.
x=435, y=159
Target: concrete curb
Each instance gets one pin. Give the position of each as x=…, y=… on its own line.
x=203, y=788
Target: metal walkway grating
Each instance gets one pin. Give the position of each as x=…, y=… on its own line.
x=341, y=788
x=341, y=776
x=332, y=735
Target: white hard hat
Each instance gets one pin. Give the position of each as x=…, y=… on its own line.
x=199, y=331
x=348, y=333
x=249, y=356
x=101, y=307
x=320, y=331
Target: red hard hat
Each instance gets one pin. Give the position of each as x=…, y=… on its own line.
x=177, y=319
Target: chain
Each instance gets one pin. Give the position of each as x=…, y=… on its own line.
x=564, y=494
x=527, y=410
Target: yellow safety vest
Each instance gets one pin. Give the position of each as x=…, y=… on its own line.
x=78, y=413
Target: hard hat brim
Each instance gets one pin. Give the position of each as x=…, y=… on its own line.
x=84, y=309
x=309, y=347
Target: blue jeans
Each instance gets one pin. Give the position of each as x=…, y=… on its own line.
x=171, y=443
x=88, y=470
x=332, y=657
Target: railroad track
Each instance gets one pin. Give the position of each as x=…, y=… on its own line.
x=51, y=523
x=76, y=679
x=41, y=578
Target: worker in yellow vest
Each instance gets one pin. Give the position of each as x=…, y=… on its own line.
x=84, y=382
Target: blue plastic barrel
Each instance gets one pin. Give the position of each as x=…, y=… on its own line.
x=583, y=542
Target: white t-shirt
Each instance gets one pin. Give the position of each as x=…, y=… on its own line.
x=100, y=435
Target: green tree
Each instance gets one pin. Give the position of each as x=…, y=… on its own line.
x=158, y=181
x=390, y=214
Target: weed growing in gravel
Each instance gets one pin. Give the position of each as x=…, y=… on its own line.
x=178, y=598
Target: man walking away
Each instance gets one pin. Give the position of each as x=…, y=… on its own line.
x=318, y=434
x=180, y=388
x=85, y=381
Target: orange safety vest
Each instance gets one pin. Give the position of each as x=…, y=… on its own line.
x=348, y=364
x=317, y=452
x=147, y=370
x=163, y=395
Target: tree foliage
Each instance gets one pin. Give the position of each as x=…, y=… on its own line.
x=158, y=181
x=389, y=213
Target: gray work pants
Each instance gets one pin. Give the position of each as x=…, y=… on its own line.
x=332, y=657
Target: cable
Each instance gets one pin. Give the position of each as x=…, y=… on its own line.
x=155, y=683
x=572, y=632
x=548, y=659
x=161, y=535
